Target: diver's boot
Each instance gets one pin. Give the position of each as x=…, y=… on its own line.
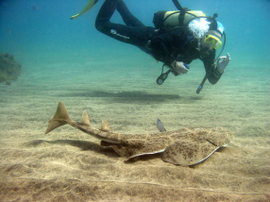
x=87, y=7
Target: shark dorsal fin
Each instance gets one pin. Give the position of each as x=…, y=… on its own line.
x=105, y=125
x=85, y=119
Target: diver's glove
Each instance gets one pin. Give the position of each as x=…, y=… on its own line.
x=179, y=68
x=222, y=63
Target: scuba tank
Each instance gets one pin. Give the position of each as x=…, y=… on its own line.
x=173, y=19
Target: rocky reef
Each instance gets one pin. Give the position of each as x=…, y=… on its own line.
x=9, y=69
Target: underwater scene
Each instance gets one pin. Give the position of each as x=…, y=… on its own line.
x=88, y=112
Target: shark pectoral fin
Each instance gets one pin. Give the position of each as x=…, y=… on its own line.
x=160, y=126
x=219, y=136
x=188, y=152
x=60, y=118
x=144, y=153
x=87, y=7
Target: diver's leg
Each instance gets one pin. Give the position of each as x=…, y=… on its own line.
x=126, y=15
x=129, y=34
x=104, y=25
x=105, y=13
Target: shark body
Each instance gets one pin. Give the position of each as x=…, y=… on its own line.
x=186, y=147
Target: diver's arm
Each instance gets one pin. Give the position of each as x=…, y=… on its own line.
x=210, y=67
x=162, y=53
x=165, y=43
x=160, y=50
x=215, y=70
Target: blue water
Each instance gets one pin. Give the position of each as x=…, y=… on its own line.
x=36, y=28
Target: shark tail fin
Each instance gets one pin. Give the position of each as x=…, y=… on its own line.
x=60, y=118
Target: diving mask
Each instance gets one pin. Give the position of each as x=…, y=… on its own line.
x=212, y=40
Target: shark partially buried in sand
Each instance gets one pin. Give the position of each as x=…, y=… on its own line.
x=186, y=147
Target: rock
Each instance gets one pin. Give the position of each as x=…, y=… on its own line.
x=9, y=69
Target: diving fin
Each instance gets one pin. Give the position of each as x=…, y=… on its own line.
x=87, y=7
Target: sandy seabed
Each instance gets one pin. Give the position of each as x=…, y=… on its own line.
x=68, y=165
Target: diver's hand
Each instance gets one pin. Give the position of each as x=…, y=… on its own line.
x=222, y=63
x=179, y=68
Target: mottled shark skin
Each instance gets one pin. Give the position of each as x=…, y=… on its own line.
x=185, y=147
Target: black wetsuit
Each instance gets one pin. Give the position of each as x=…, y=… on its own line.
x=164, y=45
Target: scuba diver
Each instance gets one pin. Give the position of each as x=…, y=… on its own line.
x=178, y=38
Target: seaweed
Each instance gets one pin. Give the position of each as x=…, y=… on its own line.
x=9, y=69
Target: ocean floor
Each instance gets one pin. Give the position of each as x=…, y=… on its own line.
x=68, y=165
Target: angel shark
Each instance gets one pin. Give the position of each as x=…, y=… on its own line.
x=186, y=147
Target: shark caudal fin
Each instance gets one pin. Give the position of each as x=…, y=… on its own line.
x=60, y=118
x=86, y=8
